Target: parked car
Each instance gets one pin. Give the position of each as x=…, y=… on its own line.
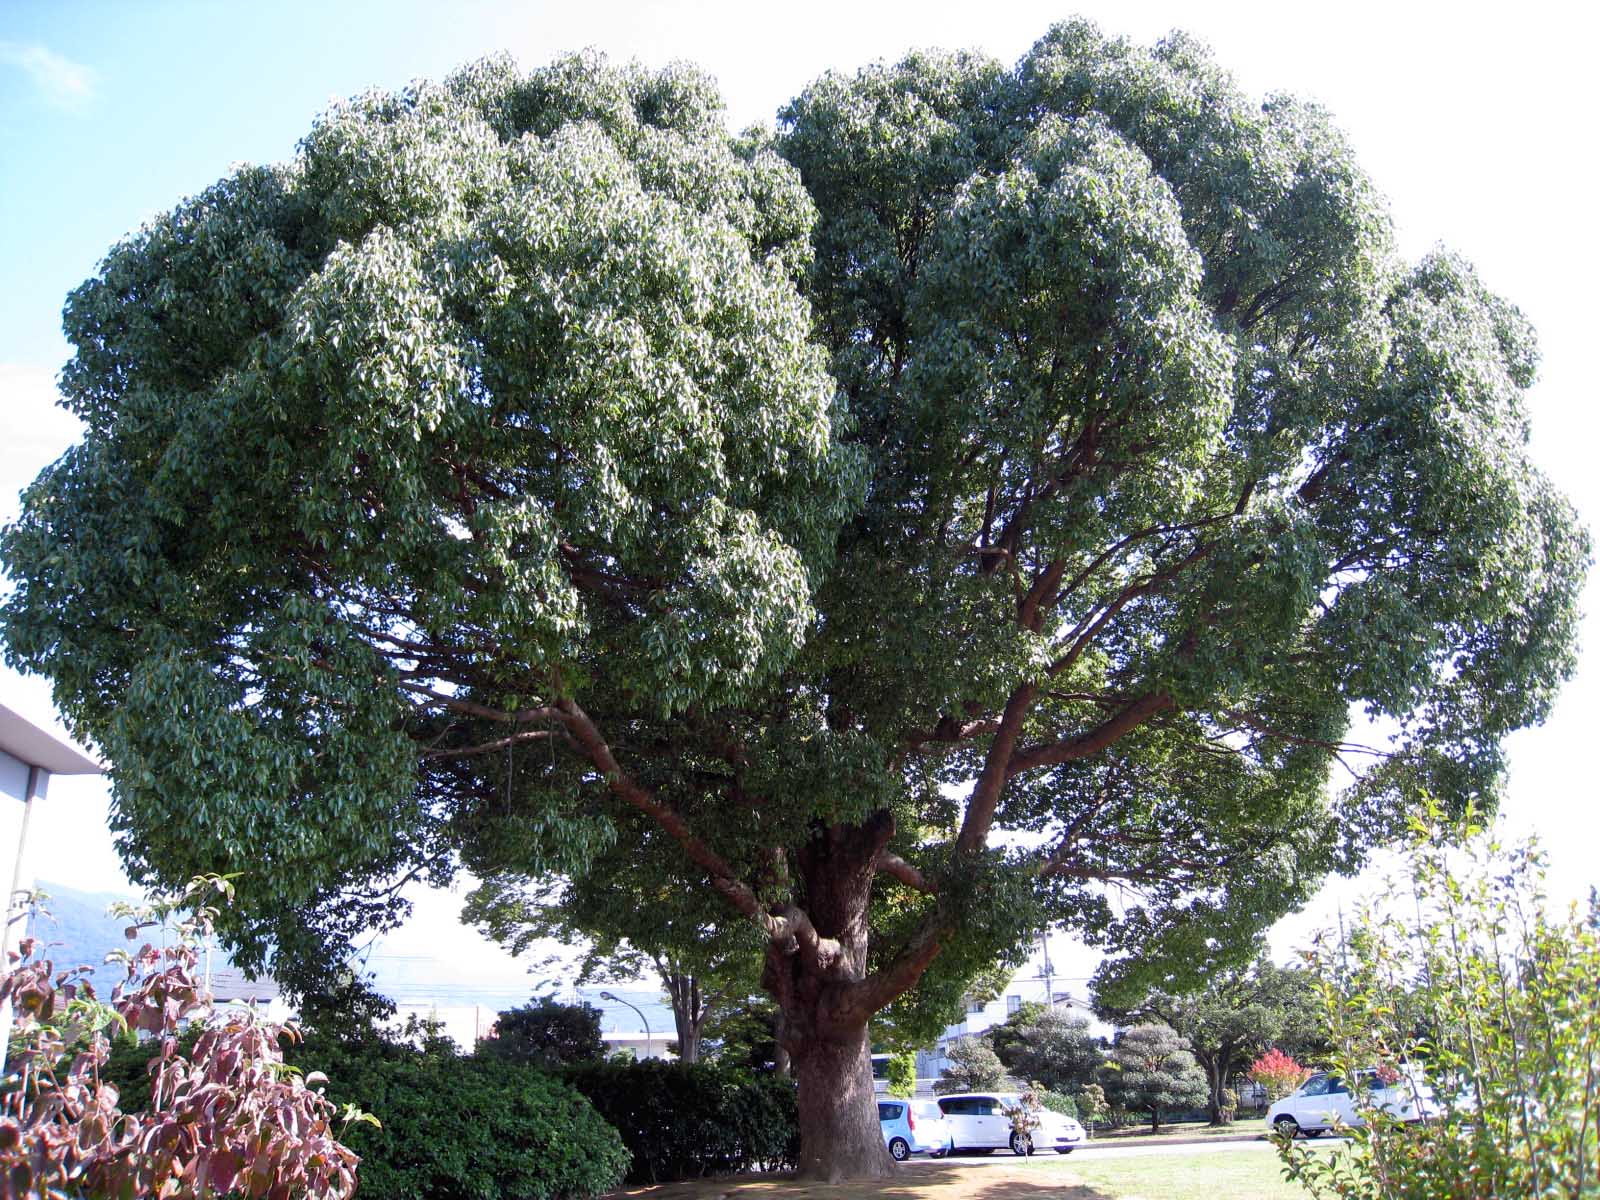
x=978, y=1121
x=913, y=1127
x=1325, y=1099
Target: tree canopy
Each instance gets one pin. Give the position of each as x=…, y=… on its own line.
x=529, y=467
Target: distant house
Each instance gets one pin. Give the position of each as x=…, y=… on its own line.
x=29, y=756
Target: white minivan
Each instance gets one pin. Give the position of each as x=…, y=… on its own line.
x=978, y=1121
x=1324, y=1100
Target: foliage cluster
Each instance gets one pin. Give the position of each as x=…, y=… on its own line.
x=1050, y=1044
x=902, y=1074
x=1509, y=1041
x=1278, y=1073
x=746, y=1035
x=974, y=1066
x=545, y=1033
x=1057, y=1102
x=687, y=1120
x=222, y=1115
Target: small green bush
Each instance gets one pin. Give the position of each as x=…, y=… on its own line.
x=687, y=1120
x=1058, y=1102
x=466, y=1129
x=902, y=1075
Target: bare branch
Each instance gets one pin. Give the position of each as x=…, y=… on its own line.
x=986, y=792
x=527, y=735
x=521, y=716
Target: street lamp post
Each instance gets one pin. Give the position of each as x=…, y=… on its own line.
x=648, y=1044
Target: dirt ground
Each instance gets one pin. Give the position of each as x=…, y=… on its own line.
x=915, y=1181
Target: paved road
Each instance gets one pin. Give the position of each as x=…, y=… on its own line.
x=1100, y=1150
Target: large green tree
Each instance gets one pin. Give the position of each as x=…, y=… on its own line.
x=1058, y=451
x=1151, y=1070
x=1050, y=1045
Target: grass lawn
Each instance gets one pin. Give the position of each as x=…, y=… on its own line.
x=1244, y=1176
x=1140, y=1135
x=1184, y=1176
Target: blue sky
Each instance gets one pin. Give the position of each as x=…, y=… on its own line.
x=1477, y=123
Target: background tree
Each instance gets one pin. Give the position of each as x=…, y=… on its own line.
x=973, y=1067
x=746, y=1034
x=1151, y=1070
x=1278, y=1073
x=632, y=925
x=1234, y=1017
x=1050, y=1044
x=1092, y=1104
x=530, y=467
x=547, y=1034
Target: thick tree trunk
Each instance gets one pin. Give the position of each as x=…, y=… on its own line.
x=814, y=976
x=839, y=1133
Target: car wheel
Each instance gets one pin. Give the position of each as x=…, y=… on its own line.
x=1064, y=1149
x=1287, y=1126
x=1021, y=1144
x=899, y=1150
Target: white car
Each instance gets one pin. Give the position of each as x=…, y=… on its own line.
x=1325, y=1099
x=978, y=1121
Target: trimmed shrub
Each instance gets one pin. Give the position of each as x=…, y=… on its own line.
x=1057, y=1102
x=687, y=1120
x=467, y=1129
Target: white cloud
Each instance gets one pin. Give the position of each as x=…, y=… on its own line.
x=64, y=83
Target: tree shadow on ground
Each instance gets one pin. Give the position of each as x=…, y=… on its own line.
x=913, y=1181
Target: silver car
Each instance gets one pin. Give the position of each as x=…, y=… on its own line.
x=913, y=1127
x=1324, y=1101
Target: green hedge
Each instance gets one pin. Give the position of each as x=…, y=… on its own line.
x=684, y=1121
x=467, y=1129
x=1059, y=1102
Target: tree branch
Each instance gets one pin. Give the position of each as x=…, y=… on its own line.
x=521, y=716
x=1091, y=741
x=867, y=996
x=527, y=735
x=986, y=792
x=892, y=864
x=628, y=790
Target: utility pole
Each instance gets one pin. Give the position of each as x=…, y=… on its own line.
x=1047, y=971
